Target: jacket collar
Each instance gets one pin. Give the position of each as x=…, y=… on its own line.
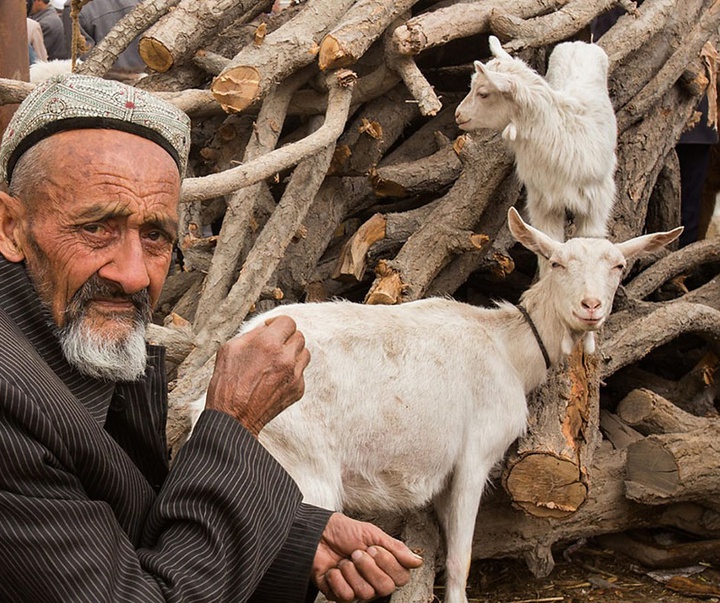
x=21, y=303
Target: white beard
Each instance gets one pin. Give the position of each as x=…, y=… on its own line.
x=102, y=358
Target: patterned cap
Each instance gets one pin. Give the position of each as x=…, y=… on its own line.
x=77, y=102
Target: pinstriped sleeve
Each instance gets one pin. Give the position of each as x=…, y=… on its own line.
x=214, y=533
x=259, y=512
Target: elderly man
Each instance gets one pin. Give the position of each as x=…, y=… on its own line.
x=89, y=510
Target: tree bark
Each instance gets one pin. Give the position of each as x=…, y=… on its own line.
x=255, y=69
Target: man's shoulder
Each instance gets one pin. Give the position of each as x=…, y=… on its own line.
x=100, y=8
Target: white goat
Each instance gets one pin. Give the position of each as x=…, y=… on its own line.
x=411, y=404
x=562, y=130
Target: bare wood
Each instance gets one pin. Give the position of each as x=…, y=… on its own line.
x=547, y=475
x=422, y=91
x=176, y=37
x=101, y=58
x=486, y=166
x=650, y=413
x=210, y=61
x=215, y=185
x=502, y=531
x=351, y=263
x=685, y=259
x=176, y=341
x=262, y=260
x=616, y=431
x=645, y=334
x=431, y=29
x=655, y=555
x=255, y=69
x=664, y=205
x=673, y=68
x=363, y=23
x=547, y=29
x=633, y=30
x=339, y=197
x=659, y=130
x=708, y=294
x=421, y=534
x=429, y=174
x=238, y=216
x=675, y=467
x=14, y=91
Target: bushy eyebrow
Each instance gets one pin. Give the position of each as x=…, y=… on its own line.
x=101, y=213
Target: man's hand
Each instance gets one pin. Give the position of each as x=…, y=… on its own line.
x=357, y=560
x=259, y=374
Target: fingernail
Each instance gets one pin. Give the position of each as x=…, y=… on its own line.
x=372, y=551
x=356, y=555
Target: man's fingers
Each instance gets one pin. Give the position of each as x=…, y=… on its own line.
x=400, y=551
x=380, y=569
x=341, y=586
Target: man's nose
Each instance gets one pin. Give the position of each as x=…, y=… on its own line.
x=127, y=267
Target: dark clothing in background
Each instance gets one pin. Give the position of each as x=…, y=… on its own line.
x=53, y=33
x=89, y=510
x=97, y=18
x=693, y=151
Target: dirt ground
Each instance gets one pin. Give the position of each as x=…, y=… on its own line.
x=590, y=574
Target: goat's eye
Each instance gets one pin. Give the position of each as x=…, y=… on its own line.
x=556, y=265
x=619, y=267
x=483, y=94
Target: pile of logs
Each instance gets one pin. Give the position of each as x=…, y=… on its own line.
x=326, y=162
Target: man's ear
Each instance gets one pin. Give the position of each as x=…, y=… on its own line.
x=11, y=213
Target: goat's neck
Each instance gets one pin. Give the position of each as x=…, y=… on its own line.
x=557, y=338
x=537, y=116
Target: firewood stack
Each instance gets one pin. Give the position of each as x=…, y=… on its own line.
x=326, y=162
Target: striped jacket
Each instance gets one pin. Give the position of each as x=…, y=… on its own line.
x=88, y=508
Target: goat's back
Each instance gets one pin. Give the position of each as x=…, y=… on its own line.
x=393, y=398
x=579, y=68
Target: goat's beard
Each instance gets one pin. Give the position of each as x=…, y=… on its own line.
x=117, y=353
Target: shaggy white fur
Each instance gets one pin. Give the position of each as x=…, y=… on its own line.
x=411, y=404
x=562, y=130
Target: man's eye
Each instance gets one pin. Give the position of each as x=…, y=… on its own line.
x=94, y=229
x=156, y=235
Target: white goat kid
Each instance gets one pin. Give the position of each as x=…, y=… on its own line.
x=413, y=404
x=562, y=130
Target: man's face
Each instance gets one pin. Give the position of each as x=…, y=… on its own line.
x=97, y=238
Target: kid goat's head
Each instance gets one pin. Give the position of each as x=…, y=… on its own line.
x=493, y=87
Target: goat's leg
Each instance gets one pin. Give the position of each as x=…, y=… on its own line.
x=592, y=223
x=549, y=220
x=457, y=509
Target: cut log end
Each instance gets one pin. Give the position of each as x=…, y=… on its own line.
x=155, y=54
x=652, y=467
x=332, y=55
x=544, y=485
x=388, y=288
x=237, y=88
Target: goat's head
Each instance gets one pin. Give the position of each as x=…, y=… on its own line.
x=493, y=90
x=584, y=273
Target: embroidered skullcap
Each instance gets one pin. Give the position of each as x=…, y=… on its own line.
x=77, y=102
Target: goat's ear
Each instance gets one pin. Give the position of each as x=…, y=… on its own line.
x=496, y=48
x=648, y=243
x=501, y=82
x=529, y=237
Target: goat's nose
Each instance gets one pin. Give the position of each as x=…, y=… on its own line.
x=591, y=303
